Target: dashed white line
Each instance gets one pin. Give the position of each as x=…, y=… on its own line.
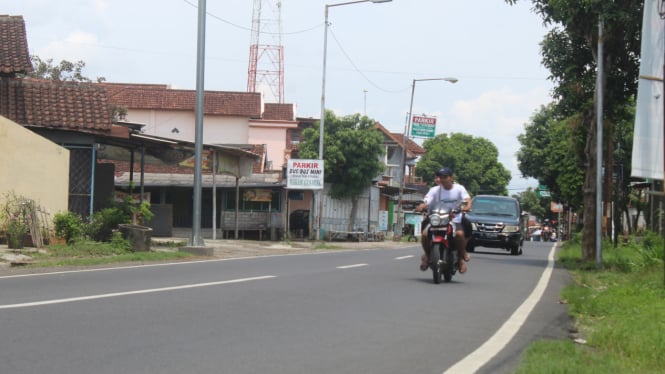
x=352, y=266
x=404, y=257
x=137, y=292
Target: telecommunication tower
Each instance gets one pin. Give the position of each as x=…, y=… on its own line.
x=266, y=59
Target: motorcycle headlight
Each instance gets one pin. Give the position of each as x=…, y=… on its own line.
x=435, y=220
x=511, y=229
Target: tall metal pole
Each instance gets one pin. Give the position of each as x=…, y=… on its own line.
x=405, y=143
x=318, y=195
x=196, y=239
x=322, y=120
x=599, y=150
x=661, y=13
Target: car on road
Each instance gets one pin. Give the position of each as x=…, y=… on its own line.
x=496, y=222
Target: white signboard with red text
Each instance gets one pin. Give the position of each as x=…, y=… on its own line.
x=304, y=174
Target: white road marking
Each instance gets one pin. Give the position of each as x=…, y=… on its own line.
x=404, y=257
x=352, y=266
x=476, y=359
x=175, y=263
x=137, y=292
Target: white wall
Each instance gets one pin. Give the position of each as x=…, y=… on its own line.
x=216, y=129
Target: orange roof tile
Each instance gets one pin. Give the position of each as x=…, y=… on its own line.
x=14, y=56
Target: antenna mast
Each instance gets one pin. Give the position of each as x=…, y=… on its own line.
x=266, y=53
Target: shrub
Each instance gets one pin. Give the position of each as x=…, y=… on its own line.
x=104, y=222
x=16, y=213
x=68, y=226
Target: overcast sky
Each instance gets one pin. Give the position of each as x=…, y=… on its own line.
x=374, y=53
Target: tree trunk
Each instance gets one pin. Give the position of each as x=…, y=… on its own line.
x=354, y=210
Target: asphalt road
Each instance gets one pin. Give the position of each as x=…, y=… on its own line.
x=359, y=311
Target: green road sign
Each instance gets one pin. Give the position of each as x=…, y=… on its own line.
x=423, y=127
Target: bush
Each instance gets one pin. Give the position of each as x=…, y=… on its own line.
x=69, y=226
x=104, y=222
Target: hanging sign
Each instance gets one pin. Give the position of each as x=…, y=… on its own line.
x=423, y=126
x=304, y=174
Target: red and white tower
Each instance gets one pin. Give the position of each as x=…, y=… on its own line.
x=266, y=53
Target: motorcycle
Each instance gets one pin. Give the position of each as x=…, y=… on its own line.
x=408, y=231
x=443, y=259
x=546, y=234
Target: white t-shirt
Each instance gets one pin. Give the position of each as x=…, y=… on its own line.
x=450, y=198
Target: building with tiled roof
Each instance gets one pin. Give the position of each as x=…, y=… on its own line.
x=14, y=56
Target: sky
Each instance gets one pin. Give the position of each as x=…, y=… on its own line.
x=374, y=52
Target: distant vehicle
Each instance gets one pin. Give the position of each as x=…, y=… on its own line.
x=496, y=222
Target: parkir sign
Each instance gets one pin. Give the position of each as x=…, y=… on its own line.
x=304, y=174
x=423, y=126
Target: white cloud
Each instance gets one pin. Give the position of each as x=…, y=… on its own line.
x=74, y=47
x=499, y=116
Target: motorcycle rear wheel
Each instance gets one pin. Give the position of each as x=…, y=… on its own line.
x=434, y=262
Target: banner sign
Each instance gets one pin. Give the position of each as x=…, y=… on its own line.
x=304, y=174
x=556, y=207
x=257, y=194
x=191, y=162
x=423, y=126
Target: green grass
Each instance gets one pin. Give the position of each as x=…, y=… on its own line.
x=324, y=245
x=86, y=253
x=619, y=310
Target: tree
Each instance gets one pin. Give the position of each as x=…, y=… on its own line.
x=351, y=151
x=570, y=53
x=530, y=202
x=64, y=71
x=550, y=152
x=474, y=162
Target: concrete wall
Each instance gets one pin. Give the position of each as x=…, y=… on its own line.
x=275, y=139
x=33, y=167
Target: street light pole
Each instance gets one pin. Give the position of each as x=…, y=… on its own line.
x=405, y=142
x=322, y=120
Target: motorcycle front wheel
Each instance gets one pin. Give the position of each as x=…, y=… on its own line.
x=448, y=268
x=435, y=263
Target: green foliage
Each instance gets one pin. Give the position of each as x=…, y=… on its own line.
x=119, y=243
x=352, y=150
x=16, y=213
x=105, y=221
x=474, y=162
x=619, y=310
x=64, y=71
x=530, y=202
x=69, y=226
x=81, y=247
x=633, y=255
x=569, y=52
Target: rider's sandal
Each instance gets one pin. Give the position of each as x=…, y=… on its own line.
x=424, y=263
x=462, y=267
x=467, y=258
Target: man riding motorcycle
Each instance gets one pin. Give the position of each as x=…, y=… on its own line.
x=452, y=195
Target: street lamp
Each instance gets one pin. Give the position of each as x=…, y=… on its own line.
x=405, y=140
x=323, y=90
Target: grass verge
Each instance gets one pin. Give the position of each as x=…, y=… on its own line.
x=86, y=253
x=619, y=312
